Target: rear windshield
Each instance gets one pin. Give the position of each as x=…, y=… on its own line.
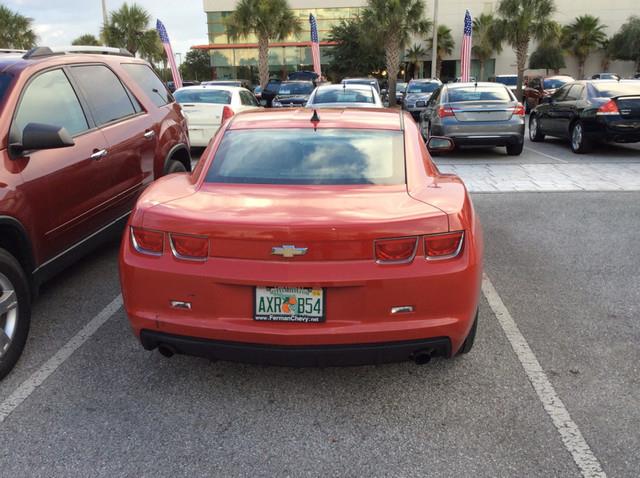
x=459, y=95
x=295, y=88
x=613, y=89
x=343, y=96
x=218, y=97
x=5, y=80
x=555, y=83
x=507, y=80
x=305, y=156
x=422, y=87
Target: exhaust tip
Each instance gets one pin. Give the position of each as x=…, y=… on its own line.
x=166, y=350
x=422, y=357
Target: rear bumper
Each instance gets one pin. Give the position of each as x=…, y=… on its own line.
x=482, y=135
x=200, y=136
x=297, y=356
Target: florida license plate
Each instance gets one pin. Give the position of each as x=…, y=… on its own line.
x=289, y=304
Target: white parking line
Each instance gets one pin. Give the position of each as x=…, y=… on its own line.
x=27, y=387
x=545, y=155
x=571, y=436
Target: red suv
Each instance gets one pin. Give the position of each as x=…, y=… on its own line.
x=81, y=135
x=540, y=87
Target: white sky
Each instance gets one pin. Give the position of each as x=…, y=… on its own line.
x=58, y=22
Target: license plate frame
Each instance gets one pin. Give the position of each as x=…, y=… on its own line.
x=265, y=310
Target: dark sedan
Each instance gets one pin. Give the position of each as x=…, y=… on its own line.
x=293, y=94
x=589, y=112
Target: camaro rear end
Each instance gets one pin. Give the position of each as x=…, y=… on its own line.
x=306, y=238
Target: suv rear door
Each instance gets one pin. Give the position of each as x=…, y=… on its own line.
x=66, y=189
x=129, y=130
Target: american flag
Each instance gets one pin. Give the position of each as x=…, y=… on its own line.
x=164, y=38
x=315, y=45
x=465, y=53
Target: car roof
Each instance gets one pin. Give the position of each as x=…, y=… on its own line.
x=360, y=79
x=485, y=84
x=353, y=86
x=366, y=118
x=17, y=62
x=424, y=80
x=212, y=87
x=298, y=81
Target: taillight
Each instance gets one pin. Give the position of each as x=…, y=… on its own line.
x=147, y=241
x=443, y=246
x=518, y=110
x=188, y=247
x=445, y=111
x=609, y=108
x=396, y=250
x=227, y=113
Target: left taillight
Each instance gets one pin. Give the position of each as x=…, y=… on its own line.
x=443, y=246
x=188, y=247
x=227, y=113
x=609, y=108
x=396, y=251
x=147, y=241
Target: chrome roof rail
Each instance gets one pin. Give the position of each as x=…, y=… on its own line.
x=43, y=51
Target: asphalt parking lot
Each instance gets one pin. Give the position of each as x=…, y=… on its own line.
x=552, y=387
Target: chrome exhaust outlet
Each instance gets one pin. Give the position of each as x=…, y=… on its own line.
x=166, y=350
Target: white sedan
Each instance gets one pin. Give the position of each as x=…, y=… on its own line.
x=345, y=96
x=207, y=107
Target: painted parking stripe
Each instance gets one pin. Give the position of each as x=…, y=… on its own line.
x=571, y=436
x=27, y=387
x=545, y=155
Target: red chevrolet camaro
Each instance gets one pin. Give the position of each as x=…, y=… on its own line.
x=307, y=238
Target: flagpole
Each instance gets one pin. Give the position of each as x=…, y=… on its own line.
x=105, y=19
x=434, y=49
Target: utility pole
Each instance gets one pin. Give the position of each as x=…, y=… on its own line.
x=105, y=19
x=434, y=52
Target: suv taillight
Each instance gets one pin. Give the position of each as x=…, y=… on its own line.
x=227, y=113
x=188, y=247
x=443, y=246
x=147, y=241
x=609, y=108
x=445, y=111
x=396, y=250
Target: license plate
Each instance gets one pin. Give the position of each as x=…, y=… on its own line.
x=289, y=304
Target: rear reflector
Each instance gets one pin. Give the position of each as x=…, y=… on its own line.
x=190, y=248
x=443, y=246
x=227, y=113
x=396, y=250
x=147, y=241
x=445, y=111
x=609, y=108
x=518, y=110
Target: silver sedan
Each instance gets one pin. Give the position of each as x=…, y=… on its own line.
x=345, y=96
x=477, y=114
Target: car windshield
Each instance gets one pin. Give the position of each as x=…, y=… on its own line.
x=507, y=80
x=555, y=83
x=343, y=96
x=218, y=97
x=613, y=89
x=459, y=95
x=307, y=156
x=5, y=80
x=400, y=87
x=295, y=88
x=422, y=87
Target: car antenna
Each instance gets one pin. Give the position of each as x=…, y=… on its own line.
x=315, y=119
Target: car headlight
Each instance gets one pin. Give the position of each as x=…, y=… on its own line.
x=276, y=103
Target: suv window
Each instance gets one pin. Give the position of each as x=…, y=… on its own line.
x=247, y=99
x=575, y=93
x=5, y=80
x=146, y=78
x=50, y=99
x=108, y=99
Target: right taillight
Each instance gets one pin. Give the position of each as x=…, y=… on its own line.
x=609, y=108
x=188, y=247
x=519, y=110
x=443, y=246
x=227, y=113
x=147, y=241
x=445, y=111
x=396, y=251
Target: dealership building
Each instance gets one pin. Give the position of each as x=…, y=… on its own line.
x=238, y=58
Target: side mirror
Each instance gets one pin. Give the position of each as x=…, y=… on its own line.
x=440, y=144
x=37, y=136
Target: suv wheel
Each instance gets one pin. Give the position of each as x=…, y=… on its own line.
x=580, y=144
x=535, y=134
x=15, y=312
x=175, y=166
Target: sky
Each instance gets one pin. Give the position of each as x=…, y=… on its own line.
x=58, y=22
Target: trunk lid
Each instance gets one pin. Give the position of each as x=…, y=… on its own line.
x=333, y=223
x=203, y=114
x=629, y=106
x=483, y=110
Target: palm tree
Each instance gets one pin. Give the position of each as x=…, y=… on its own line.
x=393, y=21
x=550, y=54
x=625, y=44
x=127, y=28
x=485, y=40
x=582, y=37
x=413, y=56
x=86, y=39
x=445, y=46
x=607, y=54
x=520, y=21
x=266, y=19
x=15, y=30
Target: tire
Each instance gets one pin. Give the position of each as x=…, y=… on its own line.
x=175, y=166
x=15, y=305
x=471, y=338
x=515, y=149
x=580, y=144
x=535, y=134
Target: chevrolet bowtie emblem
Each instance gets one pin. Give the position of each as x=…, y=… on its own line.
x=288, y=251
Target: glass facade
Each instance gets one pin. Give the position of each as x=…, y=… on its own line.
x=231, y=61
